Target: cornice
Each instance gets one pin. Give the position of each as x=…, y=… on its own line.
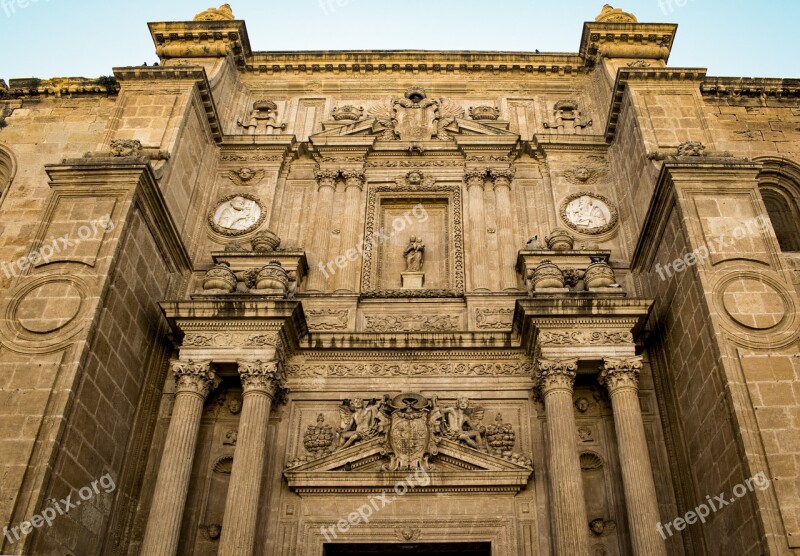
x=408, y=340
x=60, y=87
x=194, y=74
x=201, y=39
x=652, y=75
x=735, y=87
x=626, y=40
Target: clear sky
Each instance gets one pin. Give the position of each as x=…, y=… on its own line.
x=47, y=38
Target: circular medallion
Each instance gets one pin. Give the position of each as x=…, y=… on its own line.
x=753, y=304
x=236, y=215
x=589, y=213
x=48, y=307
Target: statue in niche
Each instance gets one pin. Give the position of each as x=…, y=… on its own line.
x=568, y=117
x=463, y=423
x=263, y=119
x=414, y=255
x=360, y=420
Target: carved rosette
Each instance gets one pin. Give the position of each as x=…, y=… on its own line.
x=194, y=377
x=618, y=374
x=326, y=178
x=354, y=178
x=260, y=376
x=556, y=374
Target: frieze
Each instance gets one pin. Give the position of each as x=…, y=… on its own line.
x=356, y=370
x=584, y=337
x=411, y=323
x=328, y=319
x=252, y=157
x=496, y=319
x=414, y=164
x=229, y=340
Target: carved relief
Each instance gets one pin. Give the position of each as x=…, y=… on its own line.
x=328, y=319
x=585, y=337
x=411, y=323
x=355, y=370
x=246, y=176
x=610, y=14
x=229, y=339
x=587, y=174
x=481, y=113
x=263, y=119
x=223, y=13
x=415, y=117
x=496, y=319
x=567, y=117
x=347, y=113
x=415, y=179
x=589, y=213
x=237, y=215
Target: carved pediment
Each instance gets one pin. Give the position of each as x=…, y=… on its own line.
x=373, y=127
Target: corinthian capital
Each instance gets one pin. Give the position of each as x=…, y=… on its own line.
x=354, y=178
x=260, y=376
x=555, y=374
x=503, y=177
x=194, y=377
x=621, y=373
x=475, y=178
x=326, y=178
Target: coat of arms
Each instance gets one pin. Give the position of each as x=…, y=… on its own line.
x=415, y=117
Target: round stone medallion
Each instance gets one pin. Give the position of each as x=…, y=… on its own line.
x=49, y=307
x=753, y=304
x=237, y=215
x=589, y=213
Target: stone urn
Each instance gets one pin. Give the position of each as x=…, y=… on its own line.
x=272, y=277
x=264, y=242
x=547, y=275
x=560, y=240
x=221, y=277
x=500, y=437
x=319, y=438
x=599, y=274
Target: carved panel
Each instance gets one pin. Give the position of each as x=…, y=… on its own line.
x=350, y=370
x=493, y=318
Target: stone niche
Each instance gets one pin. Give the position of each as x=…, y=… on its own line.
x=432, y=230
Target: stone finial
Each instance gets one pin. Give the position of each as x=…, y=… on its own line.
x=347, y=113
x=223, y=13
x=610, y=14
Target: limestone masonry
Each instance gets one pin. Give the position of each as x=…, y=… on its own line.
x=400, y=302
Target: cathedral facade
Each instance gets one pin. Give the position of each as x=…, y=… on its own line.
x=400, y=302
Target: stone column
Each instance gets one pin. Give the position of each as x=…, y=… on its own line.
x=567, y=504
x=347, y=277
x=326, y=187
x=193, y=382
x=475, y=180
x=260, y=381
x=505, y=228
x=621, y=378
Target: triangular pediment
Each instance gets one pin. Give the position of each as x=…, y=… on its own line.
x=374, y=128
x=361, y=467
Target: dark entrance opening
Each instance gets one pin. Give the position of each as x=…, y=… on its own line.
x=410, y=549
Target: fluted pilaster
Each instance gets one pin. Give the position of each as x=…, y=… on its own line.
x=621, y=378
x=347, y=277
x=568, y=506
x=193, y=382
x=475, y=180
x=505, y=228
x=260, y=381
x=326, y=187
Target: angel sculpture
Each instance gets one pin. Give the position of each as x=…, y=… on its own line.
x=246, y=176
x=462, y=423
x=360, y=420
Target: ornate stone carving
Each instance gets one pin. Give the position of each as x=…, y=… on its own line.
x=319, y=438
x=415, y=117
x=601, y=527
x=582, y=404
x=484, y=113
x=260, y=376
x=273, y=278
x=584, y=337
x=585, y=434
x=496, y=319
x=126, y=147
x=414, y=254
x=547, y=275
x=328, y=319
x=355, y=370
x=589, y=213
x=476, y=177
x=194, y=376
x=408, y=534
x=223, y=13
x=228, y=339
x=599, y=274
x=231, y=436
x=464, y=423
x=263, y=119
x=554, y=374
x=237, y=215
x=559, y=240
x=354, y=178
x=413, y=434
x=500, y=437
x=621, y=373
x=584, y=175
x=347, y=113
x=213, y=530
x=265, y=242
x=326, y=177
x=246, y=176
x=361, y=420
x=415, y=179
x=409, y=323
x=692, y=148
x=638, y=64
x=414, y=163
x=609, y=14
x=220, y=278
x=567, y=117
x=502, y=177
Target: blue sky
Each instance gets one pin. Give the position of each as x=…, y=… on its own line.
x=47, y=38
